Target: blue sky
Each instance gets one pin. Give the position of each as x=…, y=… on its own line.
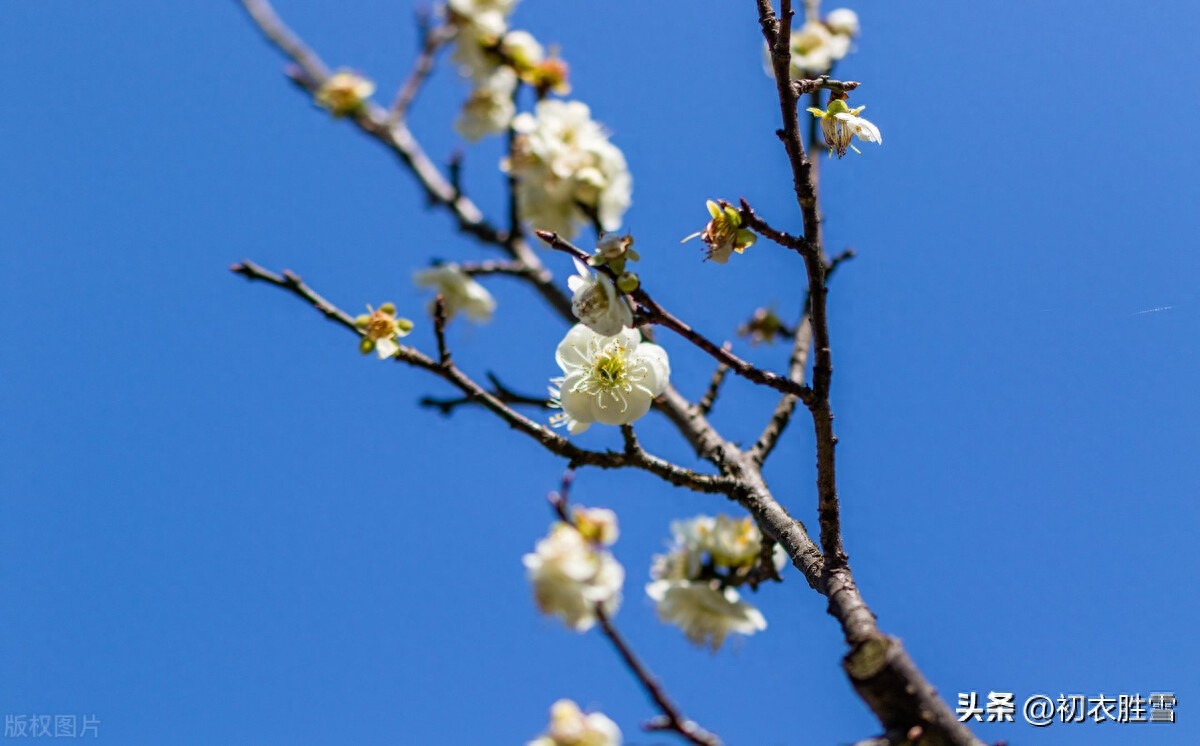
x=223, y=525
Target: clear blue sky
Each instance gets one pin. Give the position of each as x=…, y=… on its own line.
x=223, y=525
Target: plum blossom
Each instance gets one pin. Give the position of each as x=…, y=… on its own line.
x=566, y=169
x=840, y=124
x=344, y=93
x=570, y=727
x=724, y=234
x=459, y=291
x=607, y=379
x=479, y=26
x=707, y=614
x=597, y=303
x=380, y=329
x=842, y=22
x=489, y=108
x=571, y=575
x=691, y=583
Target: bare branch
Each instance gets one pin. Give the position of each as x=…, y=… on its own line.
x=439, y=329
x=550, y=440
x=432, y=39
x=672, y=719
x=801, y=343
x=496, y=267
x=823, y=83
x=877, y=665
x=498, y=390
x=705, y=405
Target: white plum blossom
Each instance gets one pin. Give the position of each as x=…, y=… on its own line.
x=562, y=159
x=840, y=124
x=479, y=26
x=597, y=303
x=706, y=614
x=459, y=291
x=344, y=93
x=688, y=587
x=570, y=727
x=610, y=380
x=380, y=329
x=490, y=107
x=724, y=234
x=815, y=49
x=483, y=17
x=572, y=575
x=597, y=525
x=523, y=50
x=842, y=22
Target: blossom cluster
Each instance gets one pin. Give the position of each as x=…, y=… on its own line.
x=568, y=173
x=496, y=59
x=571, y=571
x=692, y=583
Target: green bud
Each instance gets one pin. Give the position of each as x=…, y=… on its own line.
x=628, y=282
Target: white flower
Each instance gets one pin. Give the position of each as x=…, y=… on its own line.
x=707, y=615
x=571, y=576
x=610, y=380
x=522, y=49
x=597, y=303
x=344, y=93
x=482, y=17
x=842, y=22
x=840, y=124
x=459, y=291
x=380, y=329
x=734, y=543
x=562, y=158
x=490, y=107
x=480, y=24
x=597, y=525
x=814, y=50
x=724, y=234
x=570, y=727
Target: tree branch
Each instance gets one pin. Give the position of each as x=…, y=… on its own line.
x=705, y=405
x=432, y=39
x=498, y=390
x=671, y=719
x=550, y=440
x=801, y=343
x=877, y=665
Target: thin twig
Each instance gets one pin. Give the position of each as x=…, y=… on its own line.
x=823, y=83
x=495, y=267
x=705, y=405
x=498, y=390
x=432, y=39
x=672, y=719
x=801, y=344
x=439, y=329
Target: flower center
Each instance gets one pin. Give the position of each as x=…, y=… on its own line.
x=380, y=326
x=610, y=371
